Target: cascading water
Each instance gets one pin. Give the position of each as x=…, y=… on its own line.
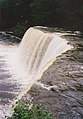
x=36, y=52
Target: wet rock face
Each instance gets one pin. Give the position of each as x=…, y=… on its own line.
x=62, y=91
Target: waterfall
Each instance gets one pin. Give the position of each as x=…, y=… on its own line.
x=26, y=62
x=38, y=50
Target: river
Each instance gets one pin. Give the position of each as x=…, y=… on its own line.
x=60, y=89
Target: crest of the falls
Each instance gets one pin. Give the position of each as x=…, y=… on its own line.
x=38, y=50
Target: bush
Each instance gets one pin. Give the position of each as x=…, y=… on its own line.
x=27, y=110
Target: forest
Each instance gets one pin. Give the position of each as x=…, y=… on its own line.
x=21, y=14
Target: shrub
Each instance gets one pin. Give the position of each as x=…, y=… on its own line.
x=27, y=110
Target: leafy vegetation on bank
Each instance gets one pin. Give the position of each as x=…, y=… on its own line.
x=60, y=13
x=25, y=110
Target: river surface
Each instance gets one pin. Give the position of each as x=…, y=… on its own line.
x=60, y=89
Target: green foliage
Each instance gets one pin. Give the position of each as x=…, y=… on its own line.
x=42, y=11
x=58, y=13
x=20, y=29
x=14, y=12
x=28, y=111
x=61, y=13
